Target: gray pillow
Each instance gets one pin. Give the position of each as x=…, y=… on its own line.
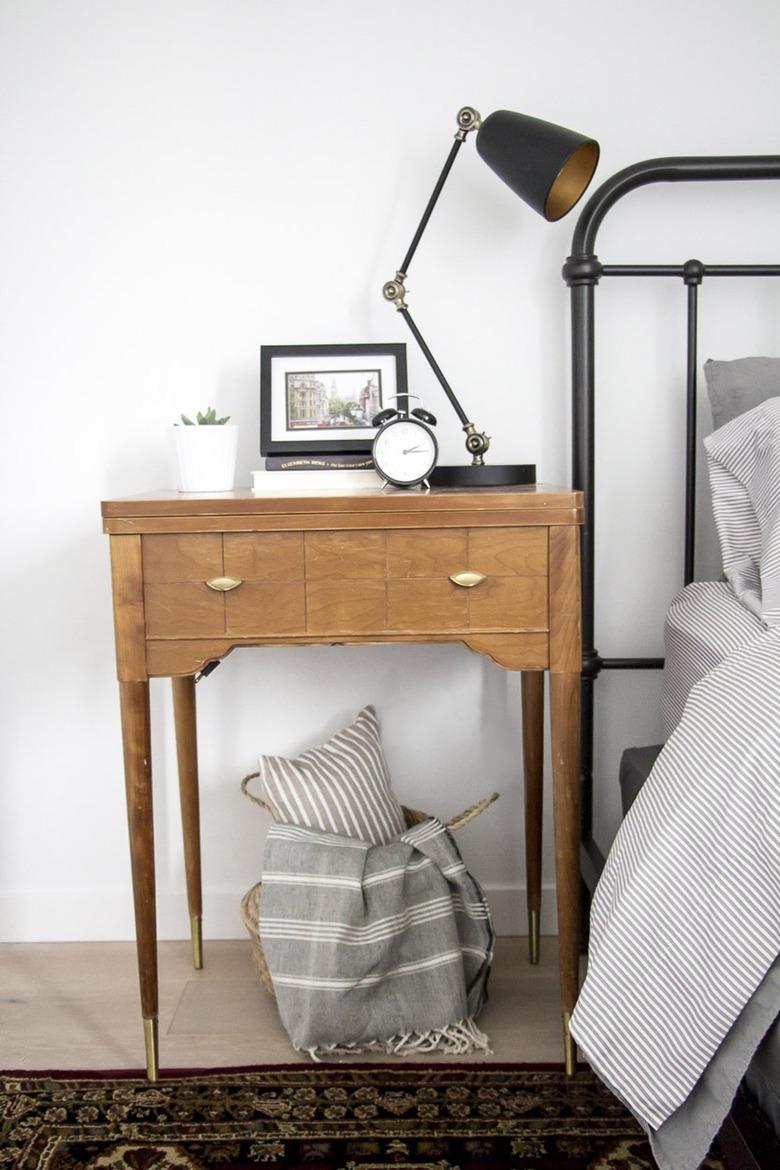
x=341, y=787
x=734, y=387
x=744, y=465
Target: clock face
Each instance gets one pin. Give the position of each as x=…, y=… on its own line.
x=405, y=452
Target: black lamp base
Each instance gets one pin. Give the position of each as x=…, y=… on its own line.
x=488, y=475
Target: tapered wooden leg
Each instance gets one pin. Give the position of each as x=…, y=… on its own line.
x=136, y=742
x=565, y=743
x=187, y=753
x=533, y=777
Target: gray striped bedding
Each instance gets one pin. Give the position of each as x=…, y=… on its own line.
x=375, y=947
x=704, y=623
x=685, y=925
x=744, y=465
x=686, y=918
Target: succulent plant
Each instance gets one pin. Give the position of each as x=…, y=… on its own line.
x=209, y=419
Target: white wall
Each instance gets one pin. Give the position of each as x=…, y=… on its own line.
x=182, y=182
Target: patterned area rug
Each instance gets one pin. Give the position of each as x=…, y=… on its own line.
x=323, y=1117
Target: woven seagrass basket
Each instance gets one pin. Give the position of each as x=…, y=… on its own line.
x=250, y=903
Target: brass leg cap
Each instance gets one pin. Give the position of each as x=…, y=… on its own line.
x=569, y=1047
x=533, y=936
x=196, y=934
x=152, y=1048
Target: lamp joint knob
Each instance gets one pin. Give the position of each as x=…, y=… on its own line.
x=395, y=290
x=468, y=119
x=477, y=443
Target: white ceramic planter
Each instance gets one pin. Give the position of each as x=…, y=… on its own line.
x=205, y=457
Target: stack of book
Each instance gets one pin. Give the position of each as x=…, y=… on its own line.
x=298, y=474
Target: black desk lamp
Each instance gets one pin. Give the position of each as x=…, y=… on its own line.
x=549, y=167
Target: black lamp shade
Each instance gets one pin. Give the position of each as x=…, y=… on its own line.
x=548, y=166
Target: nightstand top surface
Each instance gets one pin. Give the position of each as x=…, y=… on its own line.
x=536, y=497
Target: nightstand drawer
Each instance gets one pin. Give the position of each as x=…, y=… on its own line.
x=264, y=556
x=467, y=579
x=414, y=553
x=492, y=604
x=345, y=556
x=248, y=584
x=426, y=606
x=270, y=601
x=191, y=557
x=508, y=552
x=498, y=552
x=509, y=603
x=267, y=609
x=183, y=609
x=345, y=607
x=177, y=601
x=345, y=583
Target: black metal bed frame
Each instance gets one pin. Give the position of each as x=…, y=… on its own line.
x=746, y=1143
x=582, y=272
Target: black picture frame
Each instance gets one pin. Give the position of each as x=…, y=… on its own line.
x=292, y=412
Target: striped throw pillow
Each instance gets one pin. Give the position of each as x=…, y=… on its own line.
x=341, y=787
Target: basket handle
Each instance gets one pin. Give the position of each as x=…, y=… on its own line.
x=455, y=823
x=248, y=794
x=468, y=814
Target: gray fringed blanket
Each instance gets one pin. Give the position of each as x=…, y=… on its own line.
x=375, y=946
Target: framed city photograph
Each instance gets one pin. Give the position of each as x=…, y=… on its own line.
x=322, y=398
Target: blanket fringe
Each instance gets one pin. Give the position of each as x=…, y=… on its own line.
x=457, y=1039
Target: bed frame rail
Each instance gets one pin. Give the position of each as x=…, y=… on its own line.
x=582, y=272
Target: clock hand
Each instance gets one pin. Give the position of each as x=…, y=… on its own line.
x=410, y=450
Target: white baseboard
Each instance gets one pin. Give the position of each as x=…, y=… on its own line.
x=107, y=915
x=510, y=916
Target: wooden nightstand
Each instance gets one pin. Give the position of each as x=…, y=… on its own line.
x=196, y=576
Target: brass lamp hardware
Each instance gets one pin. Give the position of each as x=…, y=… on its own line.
x=224, y=584
x=467, y=578
x=549, y=168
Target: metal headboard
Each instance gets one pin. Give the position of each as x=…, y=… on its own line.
x=582, y=272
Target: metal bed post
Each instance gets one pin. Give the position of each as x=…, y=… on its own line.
x=693, y=274
x=582, y=272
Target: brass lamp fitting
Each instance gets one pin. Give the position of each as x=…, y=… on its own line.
x=477, y=443
x=394, y=290
x=468, y=119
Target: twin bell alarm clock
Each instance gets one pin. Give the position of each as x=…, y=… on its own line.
x=405, y=448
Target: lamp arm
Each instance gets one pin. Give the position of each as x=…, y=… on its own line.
x=395, y=290
x=456, y=406
x=437, y=190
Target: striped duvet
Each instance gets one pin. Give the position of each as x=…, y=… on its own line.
x=686, y=918
x=685, y=922
x=704, y=623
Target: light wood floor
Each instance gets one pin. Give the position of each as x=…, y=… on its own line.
x=75, y=1006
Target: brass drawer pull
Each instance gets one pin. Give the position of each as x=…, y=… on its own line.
x=467, y=578
x=224, y=584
